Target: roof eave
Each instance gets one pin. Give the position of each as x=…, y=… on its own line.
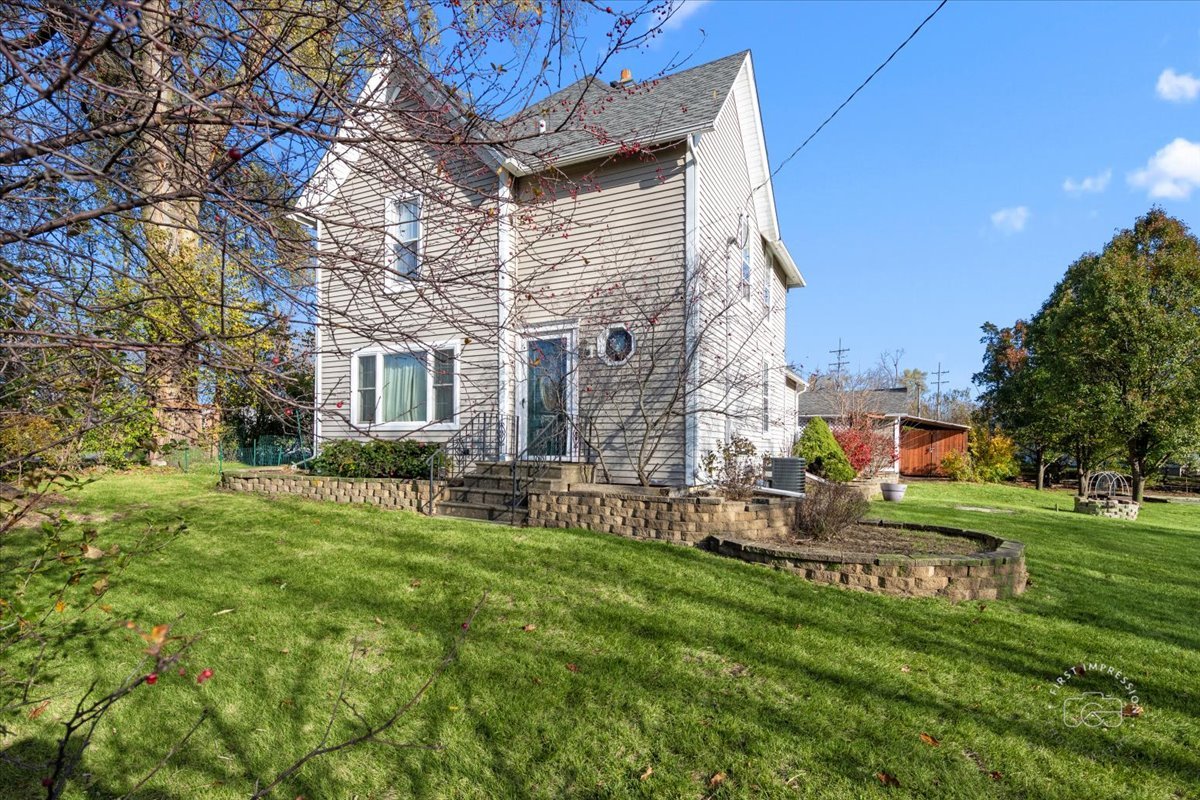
x=794, y=279
x=600, y=151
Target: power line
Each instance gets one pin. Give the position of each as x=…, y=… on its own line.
x=861, y=86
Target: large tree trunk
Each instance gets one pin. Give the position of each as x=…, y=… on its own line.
x=1139, y=479
x=1040, y=481
x=172, y=246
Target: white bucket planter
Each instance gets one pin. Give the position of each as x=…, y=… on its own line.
x=893, y=492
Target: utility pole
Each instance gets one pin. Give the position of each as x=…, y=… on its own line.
x=940, y=372
x=839, y=359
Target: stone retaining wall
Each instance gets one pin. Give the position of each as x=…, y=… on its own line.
x=997, y=571
x=397, y=493
x=689, y=520
x=1112, y=507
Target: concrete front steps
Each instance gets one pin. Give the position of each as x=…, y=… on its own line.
x=487, y=491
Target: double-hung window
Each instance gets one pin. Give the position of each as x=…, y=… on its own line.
x=404, y=387
x=768, y=279
x=766, y=397
x=746, y=272
x=404, y=239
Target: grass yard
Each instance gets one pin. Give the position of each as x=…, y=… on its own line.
x=694, y=676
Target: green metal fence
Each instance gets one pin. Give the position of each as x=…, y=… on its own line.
x=269, y=451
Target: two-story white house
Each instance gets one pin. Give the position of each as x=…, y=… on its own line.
x=600, y=277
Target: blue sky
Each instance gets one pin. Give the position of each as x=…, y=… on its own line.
x=1002, y=143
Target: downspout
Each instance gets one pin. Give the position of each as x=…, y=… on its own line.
x=318, y=397
x=691, y=305
x=504, y=309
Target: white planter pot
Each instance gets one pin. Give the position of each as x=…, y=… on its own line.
x=893, y=492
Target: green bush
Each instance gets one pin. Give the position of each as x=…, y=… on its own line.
x=822, y=452
x=401, y=458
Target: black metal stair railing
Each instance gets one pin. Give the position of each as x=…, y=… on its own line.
x=480, y=438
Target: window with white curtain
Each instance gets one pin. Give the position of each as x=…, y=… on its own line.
x=401, y=387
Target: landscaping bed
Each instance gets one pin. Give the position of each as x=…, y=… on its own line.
x=878, y=539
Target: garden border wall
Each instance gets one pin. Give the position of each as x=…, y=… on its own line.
x=737, y=529
x=639, y=515
x=397, y=493
x=993, y=573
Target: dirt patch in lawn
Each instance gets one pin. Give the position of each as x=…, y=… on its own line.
x=885, y=540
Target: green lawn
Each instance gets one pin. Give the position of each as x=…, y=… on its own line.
x=687, y=663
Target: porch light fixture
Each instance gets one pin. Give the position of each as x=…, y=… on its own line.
x=616, y=345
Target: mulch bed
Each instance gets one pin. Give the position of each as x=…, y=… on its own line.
x=890, y=541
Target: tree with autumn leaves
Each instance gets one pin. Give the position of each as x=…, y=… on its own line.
x=1109, y=367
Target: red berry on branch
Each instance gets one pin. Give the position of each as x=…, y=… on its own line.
x=235, y=154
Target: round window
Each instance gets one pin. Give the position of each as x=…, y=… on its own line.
x=618, y=345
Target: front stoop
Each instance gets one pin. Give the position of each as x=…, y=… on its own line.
x=487, y=491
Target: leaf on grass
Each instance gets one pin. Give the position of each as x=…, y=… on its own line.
x=995, y=775
x=415, y=584
x=106, y=608
x=60, y=606
x=100, y=587
x=887, y=779
x=92, y=552
x=1079, y=669
x=738, y=670
x=529, y=627
x=378, y=621
x=537, y=681
x=716, y=780
x=905, y=668
x=930, y=740
x=285, y=651
x=223, y=611
x=649, y=771
x=1131, y=710
x=573, y=667
x=37, y=712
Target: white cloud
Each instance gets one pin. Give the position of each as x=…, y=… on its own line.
x=1172, y=173
x=1176, y=87
x=1093, y=184
x=1010, y=220
x=681, y=10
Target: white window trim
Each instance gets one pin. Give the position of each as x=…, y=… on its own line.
x=393, y=280
x=411, y=348
x=602, y=344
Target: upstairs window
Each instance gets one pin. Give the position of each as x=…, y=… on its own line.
x=766, y=398
x=768, y=279
x=405, y=388
x=404, y=228
x=746, y=272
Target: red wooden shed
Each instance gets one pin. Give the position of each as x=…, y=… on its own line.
x=925, y=442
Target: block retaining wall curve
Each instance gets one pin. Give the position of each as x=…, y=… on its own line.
x=1111, y=507
x=397, y=493
x=997, y=571
x=685, y=520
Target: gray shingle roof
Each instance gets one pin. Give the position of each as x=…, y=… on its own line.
x=590, y=116
x=825, y=402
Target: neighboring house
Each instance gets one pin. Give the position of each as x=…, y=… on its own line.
x=623, y=302
x=920, y=443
